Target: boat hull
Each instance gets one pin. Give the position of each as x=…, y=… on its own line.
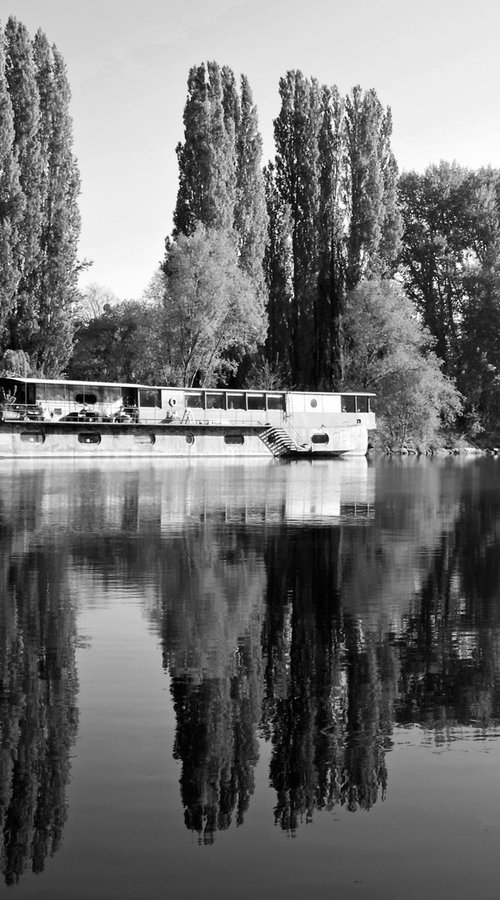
x=26, y=440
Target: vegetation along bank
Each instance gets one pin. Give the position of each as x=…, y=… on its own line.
x=322, y=269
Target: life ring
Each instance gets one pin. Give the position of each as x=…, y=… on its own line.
x=172, y=401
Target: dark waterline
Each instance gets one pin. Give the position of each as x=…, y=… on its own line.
x=250, y=679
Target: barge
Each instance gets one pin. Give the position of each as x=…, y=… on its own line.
x=59, y=418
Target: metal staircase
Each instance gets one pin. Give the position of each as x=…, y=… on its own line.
x=279, y=442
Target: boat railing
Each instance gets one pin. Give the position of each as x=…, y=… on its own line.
x=10, y=411
x=20, y=411
x=294, y=434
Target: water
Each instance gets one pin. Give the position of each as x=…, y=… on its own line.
x=232, y=679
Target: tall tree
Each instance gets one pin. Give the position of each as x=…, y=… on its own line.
x=220, y=178
x=250, y=214
x=12, y=202
x=296, y=132
x=478, y=373
x=327, y=345
x=451, y=235
x=23, y=91
x=207, y=158
x=279, y=274
x=374, y=226
x=58, y=272
x=336, y=174
x=41, y=256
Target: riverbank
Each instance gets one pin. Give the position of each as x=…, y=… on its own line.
x=437, y=451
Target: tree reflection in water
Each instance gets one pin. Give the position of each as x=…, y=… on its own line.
x=339, y=668
x=320, y=628
x=329, y=685
x=211, y=627
x=38, y=712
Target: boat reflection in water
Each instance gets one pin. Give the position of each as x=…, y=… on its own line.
x=314, y=608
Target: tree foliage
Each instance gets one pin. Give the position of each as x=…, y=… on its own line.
x=210, y=307
x=479, y=373
x=451, y=232
x=449, y=265
x=92, y=301
x=12, y=202
x=389, y=351
x=220, y=175
x=119, y=344
x=333, y=219
x=20, y=71
x=39, y=187
x=59, y=268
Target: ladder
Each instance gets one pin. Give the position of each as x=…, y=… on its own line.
x=279, y=442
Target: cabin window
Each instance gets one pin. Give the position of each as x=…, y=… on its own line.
x=314, y=403
x=276, y=401
x=348, y=403
x=363, y=404
x=54, y=392
x=190, y=438
x=149, y=397
x=236, y=401
x=110, y=394
x=129, y=397
x=89, y=437
x=33, y=437
x=145, y=437
x=214, y=400
x=256, y=401
x=194, y=400
x=320, y=438
x=234, y=439
x=88, y=399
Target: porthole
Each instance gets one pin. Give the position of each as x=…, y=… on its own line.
x=190, y=438
x=314, y=403
x=146, y=437
x=320, y=438
x=234, y=439
x=89, y=437
x=33, y=437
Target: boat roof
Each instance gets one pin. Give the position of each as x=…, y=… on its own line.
x=123, y=384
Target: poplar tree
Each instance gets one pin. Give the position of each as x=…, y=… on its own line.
x=335, y=173
x=327, y=343
x=40, y=185
x=221, y=188
x=11, y=202
x=297, y=180
x=221, y=182
x=374, y=226
x=250, y=215
x=207, y=158
x=56, y=289
x=23, y=91
x=279, y=274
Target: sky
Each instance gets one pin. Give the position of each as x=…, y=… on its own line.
x=436, y=63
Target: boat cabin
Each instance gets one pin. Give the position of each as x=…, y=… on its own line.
x=58, y=400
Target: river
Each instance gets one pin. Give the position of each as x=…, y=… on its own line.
x=250, y=679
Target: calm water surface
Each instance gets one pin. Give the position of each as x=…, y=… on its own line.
x=258, y=680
